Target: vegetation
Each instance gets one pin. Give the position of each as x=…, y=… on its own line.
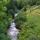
x=4, y=19
x=29, y=24
x=27, y=20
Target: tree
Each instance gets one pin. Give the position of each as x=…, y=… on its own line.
x=4, y=19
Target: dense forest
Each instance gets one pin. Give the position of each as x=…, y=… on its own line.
x=27, y=20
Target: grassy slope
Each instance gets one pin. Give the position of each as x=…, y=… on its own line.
x=31, y=26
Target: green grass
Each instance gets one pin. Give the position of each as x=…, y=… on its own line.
x=29, y=22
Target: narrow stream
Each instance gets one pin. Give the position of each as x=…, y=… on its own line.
x=13, y=31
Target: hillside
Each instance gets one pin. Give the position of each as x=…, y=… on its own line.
x=29, y=23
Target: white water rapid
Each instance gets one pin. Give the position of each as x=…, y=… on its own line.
x=13, y=31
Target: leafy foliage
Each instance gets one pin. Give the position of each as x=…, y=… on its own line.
x=4, y=20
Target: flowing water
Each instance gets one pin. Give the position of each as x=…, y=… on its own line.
x=13, y=31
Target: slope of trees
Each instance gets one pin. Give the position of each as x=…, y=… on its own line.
x=4, y=19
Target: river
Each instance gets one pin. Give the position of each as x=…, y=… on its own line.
x=13, y=31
